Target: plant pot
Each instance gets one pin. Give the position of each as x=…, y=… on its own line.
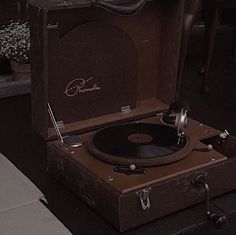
x=21, y=71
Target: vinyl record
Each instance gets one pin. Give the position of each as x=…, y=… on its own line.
x=138, y=143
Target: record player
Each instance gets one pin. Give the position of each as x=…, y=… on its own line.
x=103, y=78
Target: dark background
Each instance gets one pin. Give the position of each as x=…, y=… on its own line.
x=12, y=10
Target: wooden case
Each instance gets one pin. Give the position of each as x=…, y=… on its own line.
x=96, y=69
x=118, y=54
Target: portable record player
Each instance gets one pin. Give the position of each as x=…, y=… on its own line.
x=102, y=82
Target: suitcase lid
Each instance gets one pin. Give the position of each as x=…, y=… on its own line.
x=96, y=68
x=70, y=4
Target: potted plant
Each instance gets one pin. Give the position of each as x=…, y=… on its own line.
x=15, y=45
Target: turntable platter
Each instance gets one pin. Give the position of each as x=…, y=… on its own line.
x=143, y=144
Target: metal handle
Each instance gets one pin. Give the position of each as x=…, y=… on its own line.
x=129, y=9
x=220, y=221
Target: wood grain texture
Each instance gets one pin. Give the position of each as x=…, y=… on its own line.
x=155, y=34
x=171, y=187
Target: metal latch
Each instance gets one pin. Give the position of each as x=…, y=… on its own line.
x=224, y=134
x=144, y=198
x=125, y=109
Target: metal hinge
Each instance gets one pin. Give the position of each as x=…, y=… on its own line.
x=53, y=26
x=65, y=3
x=125, y=109
x=60, y=124
x=144, y=198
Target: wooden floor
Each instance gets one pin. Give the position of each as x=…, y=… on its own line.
x=218, y=108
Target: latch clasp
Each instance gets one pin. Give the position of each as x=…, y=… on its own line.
x=144, y=198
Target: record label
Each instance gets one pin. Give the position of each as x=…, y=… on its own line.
x=140, y=138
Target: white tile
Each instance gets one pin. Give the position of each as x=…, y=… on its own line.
x=31, y=219
x=15, y=188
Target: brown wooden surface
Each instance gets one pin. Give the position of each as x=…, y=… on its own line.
x=38, y=70
x=92, y=71
x=74, y=166
x=177, y=194
x=157, y=174
x=155, y=32
x=90, y=178
x=91, y=190
x=143, y=108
